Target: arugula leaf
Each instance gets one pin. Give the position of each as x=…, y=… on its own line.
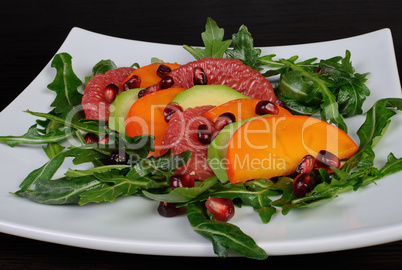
x=151, y=173
x=114, y=185
x=224, y=236
x=281, y=68
x=34, y=137
x=349, y=86
x=65, y=85
x=183, y=194
x=47, y=171
x=373, y=128
x=159, y=165
x=329, y=106
x=59, y=191
x=243, y=48
x=215, y=47
x=86, y=125
x=101, y=68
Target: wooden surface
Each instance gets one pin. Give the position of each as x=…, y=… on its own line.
x=32, y=31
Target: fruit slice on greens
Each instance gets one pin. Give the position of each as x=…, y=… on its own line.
x=146, y=115
x=230, y=72
x=240, y=108
x=149, y=73
x=120, y=107
x=273, y=146
x=217, y=150
x=202, y=95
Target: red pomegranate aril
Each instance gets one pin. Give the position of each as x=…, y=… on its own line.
x=147, y=91
x=181, y=180
x=280, y=103
x=118, y=157
x=200, y=78
x=166, y=82
x=111, y=91
x=266, y=107
x=163, y=70
x=132, y=83
x=306, y=165
x=223, y=120
x=204, y=134
x=302, y=184
x=104, y=140
x=91, y=138
x=326, y=160
x=222, y=209
x=168, y=209
x=170, y=110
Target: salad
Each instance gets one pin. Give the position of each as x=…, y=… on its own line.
x=128, y=161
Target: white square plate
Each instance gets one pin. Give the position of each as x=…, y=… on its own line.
x=372, y=215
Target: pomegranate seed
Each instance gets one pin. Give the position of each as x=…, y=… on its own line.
x=266, y=107
x=91, y=138
x=181, y=180
x=200, y=78
x=147, y=91
x=306, y=165
x=170, y=109
x=302, y=184
x=326, y=159
x=118, y=157
x=133, y=82
x=104, y=140
x=168, y=209
x=280, y=103
x=111, y=91
x=166, y=82
x=224, y=119
x=163, y=70
x=204, y=134
x=222, y=209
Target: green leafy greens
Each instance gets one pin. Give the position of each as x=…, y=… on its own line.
x=330, y=87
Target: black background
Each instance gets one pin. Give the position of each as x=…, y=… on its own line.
x=32, y=31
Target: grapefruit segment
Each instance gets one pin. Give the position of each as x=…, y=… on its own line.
x=229, y=72
x=182, y=134
x=273, y=146
x=94, y=102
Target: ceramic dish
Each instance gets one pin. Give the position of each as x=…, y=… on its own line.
x=370, y=216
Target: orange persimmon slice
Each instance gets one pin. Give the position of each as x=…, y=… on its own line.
x=274, y=145
x=148, y=74
x=146, y=115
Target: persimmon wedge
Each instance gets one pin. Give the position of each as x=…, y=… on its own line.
x=241, y=108
x=273, y=146
x=148, y=73
x=146, y=115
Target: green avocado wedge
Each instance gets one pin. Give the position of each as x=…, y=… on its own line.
x=201, y=95
x=120, y=108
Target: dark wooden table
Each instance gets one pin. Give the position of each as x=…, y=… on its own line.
x=32, y=31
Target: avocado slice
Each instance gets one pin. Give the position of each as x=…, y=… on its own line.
x=201, y=95
x=120, y=107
